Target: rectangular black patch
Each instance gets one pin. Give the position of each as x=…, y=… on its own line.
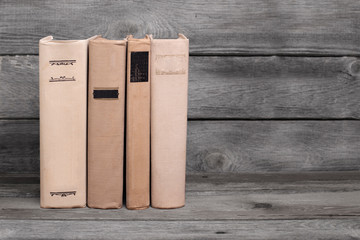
x=106, y=93
x=139, y=67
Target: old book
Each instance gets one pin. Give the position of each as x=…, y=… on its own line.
x=63, y=96
x=106, y=108
x=169, y=88
x=138, y=124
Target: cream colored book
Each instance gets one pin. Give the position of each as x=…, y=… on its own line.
x=63, y=96
x=169, y=93
x=106, y=110
x=138, y=124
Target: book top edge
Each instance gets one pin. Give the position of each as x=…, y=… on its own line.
x=102, y=40
x=180, y=37
x=51, y=40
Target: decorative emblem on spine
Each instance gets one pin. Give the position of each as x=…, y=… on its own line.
x=62, y=79
x=63, y=194
x=62, y=62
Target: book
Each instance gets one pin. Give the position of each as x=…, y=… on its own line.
x=169, y=91
x=138, y=124
x=63, y=96
x=106, y=110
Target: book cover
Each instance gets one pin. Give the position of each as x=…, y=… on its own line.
x=169, y=92
x=63, y=96
x=138, y=124
x=106, y=110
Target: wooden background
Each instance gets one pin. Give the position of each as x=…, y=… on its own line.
x=274, y=85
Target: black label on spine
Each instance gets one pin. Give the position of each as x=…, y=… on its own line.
x=106, y=93
x=139, y=67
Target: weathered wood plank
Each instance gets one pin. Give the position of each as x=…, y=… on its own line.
x=19, y=190
x=274, y=87
x=267, y=146
x=242, y=27
x=346, y=229
x=27, y=185
x=225, y=146
x=19, y=87
x=222, y=197
x=19, y=146
x=321, y=205
x=22, y=178
x=223, y=178
x=227, y=87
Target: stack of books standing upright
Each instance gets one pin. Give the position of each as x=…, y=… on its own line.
x=109, y=107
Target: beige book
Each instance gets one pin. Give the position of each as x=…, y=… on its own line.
x=169, y=88
x=138, y=124
x=106, y=106
x=63, y=97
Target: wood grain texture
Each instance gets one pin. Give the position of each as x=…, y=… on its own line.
x=27, y=185
x=321, y=205
x=220, y=197
x=227, y=87
x=328, y=27
x=274, y=87
x=19, y=87
x=225, y=146
x=203, y=207
x=346, y=229
x=19, y=146
x=266, y=146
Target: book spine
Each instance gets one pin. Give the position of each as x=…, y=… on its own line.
x=138, y=124
x=106, y=106
x=169, y=88
x=63, y=96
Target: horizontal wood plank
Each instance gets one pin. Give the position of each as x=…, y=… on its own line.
x=328, y=27
x=319, y=205
x=19, y=91
x=27, y=185
x=346, y=229
x=203, y=207
x=274, y=87
x=225, y=146
x=220, y=197
x=227, y=87
x=262, y=146
x=19, y=146
x=223, y=178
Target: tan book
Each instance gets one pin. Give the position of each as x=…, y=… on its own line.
x=106, y=110
x=138, y=124
x=63, y=96
x=169, y=88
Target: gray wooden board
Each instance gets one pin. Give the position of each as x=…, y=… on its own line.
x=274, y=87
x=19, y=146
x=273, y=146
x=27, y=185
x=218, y=197
x=318, y=205
x=342, y=229
x=227, y=87
x=19, y=87
x=223, y=178
x=225, y=146
x=328, y=27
